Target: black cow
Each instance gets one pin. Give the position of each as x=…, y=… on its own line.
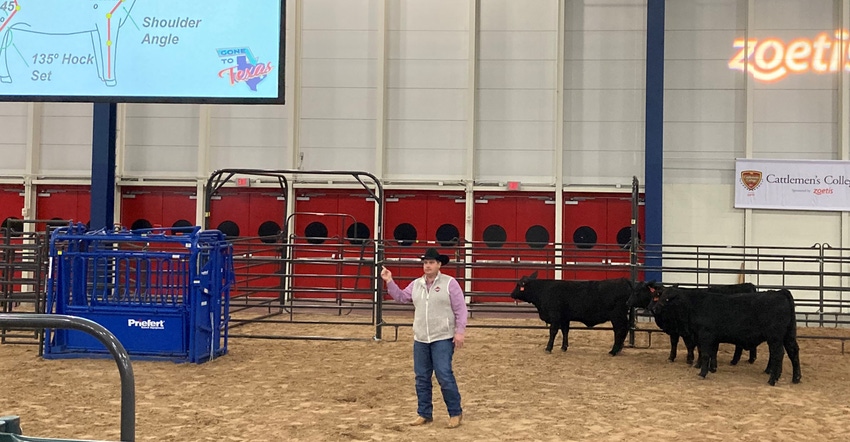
x=745, y=319
x=645, y=292
x=588, y=302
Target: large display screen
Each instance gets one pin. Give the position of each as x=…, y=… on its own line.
x=217, y=51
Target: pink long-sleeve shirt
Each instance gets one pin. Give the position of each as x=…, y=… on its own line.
x=455, y=298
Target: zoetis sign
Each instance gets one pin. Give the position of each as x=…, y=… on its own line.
x=772, y=59
x=792, y=184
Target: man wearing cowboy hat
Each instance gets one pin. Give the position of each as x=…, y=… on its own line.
x=439, y=322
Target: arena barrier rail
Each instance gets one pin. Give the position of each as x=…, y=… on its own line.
x=23, y=270
x=283, y=305
x=816, y=275
x=10, y=427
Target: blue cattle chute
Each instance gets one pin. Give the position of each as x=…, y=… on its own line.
x=165, y=296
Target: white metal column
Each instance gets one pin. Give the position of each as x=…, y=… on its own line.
x=203, y=168
x=381, y=106
x=381, y=90
x=293, y=94
x=748, y=125
x=844, y=113
x=471, y=115
x=559, y=135
x=844, y=124
x=120, y=154
x=33, y=159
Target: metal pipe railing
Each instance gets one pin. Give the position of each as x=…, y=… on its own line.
x=122, y=358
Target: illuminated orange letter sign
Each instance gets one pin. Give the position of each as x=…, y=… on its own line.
x=771, y=59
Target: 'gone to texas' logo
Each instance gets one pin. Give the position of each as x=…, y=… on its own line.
x=244, y=68
x=751, y=179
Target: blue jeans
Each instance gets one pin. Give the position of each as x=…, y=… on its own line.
x=435, y=358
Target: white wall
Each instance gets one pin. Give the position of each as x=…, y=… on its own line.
x=469, y=91
x=795, y=117
x=66, y=137
x=427, y=94
x=339, y=52
x=13, y=145
x=714, y=114
x=704, y=101
x=249, y=137
x=161, y=140
x=516, y=90
x=604, y=88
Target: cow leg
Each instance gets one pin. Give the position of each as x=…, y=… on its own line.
x=707, y=351
x=565, y=330
x=769, y=367
x=690, y=345
x=621, y=329
x=703, y=364
x=777, y=352
x=737, y=356
x=793, y=351
x=553, y=331
x=674, y=344
x=753, y=355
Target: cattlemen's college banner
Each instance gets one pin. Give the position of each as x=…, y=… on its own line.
x=792, y=184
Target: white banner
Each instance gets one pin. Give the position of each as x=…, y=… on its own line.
x=792, y=184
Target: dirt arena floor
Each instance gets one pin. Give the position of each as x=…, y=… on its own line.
x=309, y=390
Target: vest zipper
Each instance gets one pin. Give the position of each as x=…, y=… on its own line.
x=427, y=298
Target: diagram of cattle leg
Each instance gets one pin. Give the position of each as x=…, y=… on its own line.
x=61, y=20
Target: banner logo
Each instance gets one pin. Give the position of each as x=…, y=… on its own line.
x=245, y=68
x=787, y=184
x=146, y=324
x=751, y=179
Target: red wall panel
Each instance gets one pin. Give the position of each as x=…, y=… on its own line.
x=425, y=212
x=591, y=226
x=334, y=214
x=11, y=203
x=500, y=227
x=159, y=206
x=247, y=209
x=245, y=215
x=63, y=203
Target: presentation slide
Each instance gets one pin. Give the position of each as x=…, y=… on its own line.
x=142, y=50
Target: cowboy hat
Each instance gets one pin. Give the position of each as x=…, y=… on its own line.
x=432, y=253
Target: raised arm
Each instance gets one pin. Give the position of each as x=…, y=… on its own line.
x=394, y=290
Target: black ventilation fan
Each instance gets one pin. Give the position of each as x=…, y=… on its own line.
x=495, y=236
x=584, y=237
x=448, y=235
x=405, y=234
x=229, y=228
x=537, y=237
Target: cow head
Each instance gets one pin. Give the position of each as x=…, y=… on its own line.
x=661, y=299
x=521, y=285
x=644, y=293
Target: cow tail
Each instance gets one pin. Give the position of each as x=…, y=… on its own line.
x=792, y=326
